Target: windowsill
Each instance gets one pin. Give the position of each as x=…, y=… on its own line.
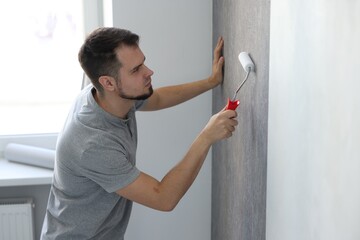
x=16, y=174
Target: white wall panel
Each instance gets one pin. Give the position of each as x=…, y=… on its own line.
x=313, y=188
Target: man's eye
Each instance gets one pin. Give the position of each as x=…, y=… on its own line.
x=136, y=69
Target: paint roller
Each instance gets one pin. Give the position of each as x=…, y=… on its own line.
x=248, y=66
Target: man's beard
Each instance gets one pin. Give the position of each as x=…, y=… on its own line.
x=140, y=97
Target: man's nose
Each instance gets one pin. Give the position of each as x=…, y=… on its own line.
x=149, y=72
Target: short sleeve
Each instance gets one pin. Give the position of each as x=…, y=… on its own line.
x=109, y=168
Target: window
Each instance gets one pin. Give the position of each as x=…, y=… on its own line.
x=40, y=73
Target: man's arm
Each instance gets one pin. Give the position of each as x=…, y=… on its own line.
x=165, y=194
x=170, y=96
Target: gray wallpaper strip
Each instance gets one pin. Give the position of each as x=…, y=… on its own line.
x=239, y=163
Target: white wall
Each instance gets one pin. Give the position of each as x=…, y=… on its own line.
x=176, y=38
x=314, y=121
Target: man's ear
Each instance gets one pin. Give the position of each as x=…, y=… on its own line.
x=108, y=83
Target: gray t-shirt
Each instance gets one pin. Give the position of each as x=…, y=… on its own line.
x=95, y=156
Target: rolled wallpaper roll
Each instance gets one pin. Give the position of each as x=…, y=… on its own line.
x=30, y=155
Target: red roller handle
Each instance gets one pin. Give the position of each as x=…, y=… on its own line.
x=232, y=105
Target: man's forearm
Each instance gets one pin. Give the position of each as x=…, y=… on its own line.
x=173, y=95
x=179, y=179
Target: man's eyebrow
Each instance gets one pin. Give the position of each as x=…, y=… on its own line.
x=138, y=66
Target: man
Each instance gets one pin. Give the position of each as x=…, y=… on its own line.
x=95, y=177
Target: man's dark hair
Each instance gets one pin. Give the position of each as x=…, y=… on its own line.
x=97, y=55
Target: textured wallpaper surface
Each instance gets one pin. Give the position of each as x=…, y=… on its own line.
x=239, y=163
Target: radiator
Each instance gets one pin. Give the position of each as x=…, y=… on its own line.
x=16, y=219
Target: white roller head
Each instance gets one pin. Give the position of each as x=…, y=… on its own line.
x=246, y=62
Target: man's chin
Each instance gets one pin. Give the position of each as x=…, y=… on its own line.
x=141, y=97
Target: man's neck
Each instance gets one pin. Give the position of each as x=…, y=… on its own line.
x=114, y=104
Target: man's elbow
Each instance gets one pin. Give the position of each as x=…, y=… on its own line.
x=167, y=207
x=166, y=201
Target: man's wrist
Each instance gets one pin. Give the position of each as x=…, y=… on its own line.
x=212, y=82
